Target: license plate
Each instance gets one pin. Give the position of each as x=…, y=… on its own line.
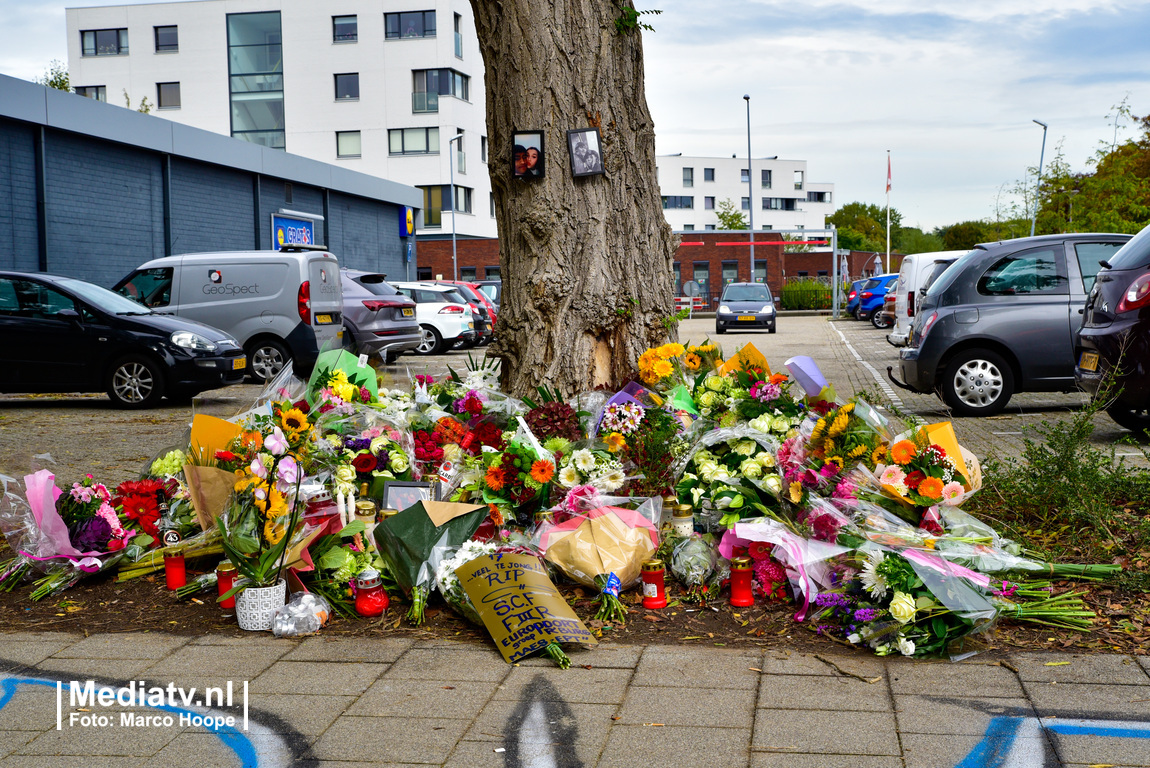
x=750, y=318
x=323, y=319
x=239, y=363
x=1088, y=361
x=408, y=312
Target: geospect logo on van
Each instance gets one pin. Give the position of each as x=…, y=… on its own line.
x=215, y=276
x=216, y=286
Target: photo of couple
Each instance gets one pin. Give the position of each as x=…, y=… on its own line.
x=586, y=159
x=527, y=155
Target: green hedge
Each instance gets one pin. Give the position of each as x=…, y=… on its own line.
x=806, y=294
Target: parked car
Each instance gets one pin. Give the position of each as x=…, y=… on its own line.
x=884, y=317
x=281, y=305
x=747, y=306
x=853, y=297
x=377, y=319
x=1001, y=320
x=872, y=293
x=66, y=335
x=493, y=290
x=481, y=307
x=918, y=270
x=1114, y=340
x=444, y=316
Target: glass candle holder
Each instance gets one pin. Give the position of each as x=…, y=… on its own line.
x=654, y=584
x=741, y=593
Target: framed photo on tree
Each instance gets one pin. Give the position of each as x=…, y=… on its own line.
x=586, y=155
x=399, y=495
x=527, y=158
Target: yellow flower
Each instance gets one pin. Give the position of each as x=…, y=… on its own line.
x=273, y=532
x=796, y=492
x=670, y=350
x=879, y=454
x=294, y=420
x=848, y=407
x=828, y=445
x=839, y=424
x=692, y=361
x=662, y=369
x=343, y=390
x=903, y=451
x=837, y=460
x=338, y=376
x=820, y=425
x=615, y=442
x=857, y=451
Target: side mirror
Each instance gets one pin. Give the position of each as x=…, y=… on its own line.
x=69, y=314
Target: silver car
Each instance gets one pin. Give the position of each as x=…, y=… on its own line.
x=377, y=319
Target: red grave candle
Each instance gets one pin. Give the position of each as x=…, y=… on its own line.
x=654, y=584
x=174, y=571
x=741, y=593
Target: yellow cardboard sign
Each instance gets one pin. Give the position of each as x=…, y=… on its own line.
x=211, y=434
x=747, y=357
x=519, y=605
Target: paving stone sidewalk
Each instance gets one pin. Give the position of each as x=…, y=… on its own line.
x=358, y=703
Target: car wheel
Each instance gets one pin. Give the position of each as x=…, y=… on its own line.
x=1137, y=420
x=462, y=343
x=720, y=329
x=136, y=382
x=880, y=321
x=266, y=358
x=977, y=382
x=348, y=340
x=771, y=329
x=430, y=341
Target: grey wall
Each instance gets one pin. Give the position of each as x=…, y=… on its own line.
x=211, y=208
x=366, y=236
x=19, y=239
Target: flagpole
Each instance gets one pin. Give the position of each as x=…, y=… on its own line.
x=888, y=211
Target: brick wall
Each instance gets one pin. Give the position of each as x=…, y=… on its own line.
x=19, y=243
x=211, y=208
x=482, y=255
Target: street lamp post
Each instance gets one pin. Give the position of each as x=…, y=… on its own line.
x=451, y=168
x=750, y=188
x=1038, y=183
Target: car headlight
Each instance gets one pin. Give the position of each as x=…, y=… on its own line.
x=724, y=309
x=189, y=340
x=767, y=309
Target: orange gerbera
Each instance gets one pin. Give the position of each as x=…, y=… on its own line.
x=931, y=488
x=543, y=471
x=495, y=514
x=615, y=442
x=778, y=378
x=253, y=440
x=903, y=451
x=494, y=477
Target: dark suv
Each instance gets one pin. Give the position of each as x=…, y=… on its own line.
x=1001, y=319
x=1115, y=335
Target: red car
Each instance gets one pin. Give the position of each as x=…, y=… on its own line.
x=482, y=304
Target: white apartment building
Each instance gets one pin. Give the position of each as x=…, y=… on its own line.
x=783, y=197
x=374, y=85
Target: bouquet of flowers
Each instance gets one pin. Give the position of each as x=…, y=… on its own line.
x=920, y=474
x=447, y=582
x=518, y=480
x=733, y=473
x=695, y=563
x=819, y=460
x=591, y=466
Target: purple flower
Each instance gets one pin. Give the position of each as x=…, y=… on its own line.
x=865, y=614
x=357, y=443
x=91, y=535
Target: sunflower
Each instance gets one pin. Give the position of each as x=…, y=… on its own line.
x=662, y=369
x=931, y=488
x=837, y=461
x=615, y=442
x=494, y=477
x=542, y=471
x=294, y=420
x=879, y=454
x=273, y=532
x=692, y=361
x=903, y=451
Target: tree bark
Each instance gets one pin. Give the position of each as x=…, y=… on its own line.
x=586, y=262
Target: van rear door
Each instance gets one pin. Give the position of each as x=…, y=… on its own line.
x=324, y=298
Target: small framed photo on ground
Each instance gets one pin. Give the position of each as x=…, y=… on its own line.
x=586, y=156
x=527, y=159
x=399, y=495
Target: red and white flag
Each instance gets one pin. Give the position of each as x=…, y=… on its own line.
x=888, y=172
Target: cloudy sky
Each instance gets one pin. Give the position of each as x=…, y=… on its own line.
x=949, y=86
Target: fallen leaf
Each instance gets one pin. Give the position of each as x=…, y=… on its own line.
x=652, y=617
x=754, y=669
x=1056, y=663
x=654, y=725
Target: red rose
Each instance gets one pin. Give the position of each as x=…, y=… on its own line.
x=364, y=462
x=115, y=545
x=225, y=456
x=302, y=405
x=913, y=480
x=473, y=405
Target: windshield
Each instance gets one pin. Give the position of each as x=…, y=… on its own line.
x=454, y=297
x=375, y=284
x=746, y=293
x=943, y=281
x=936, y=269
x=1135, y=254
x=102, y=298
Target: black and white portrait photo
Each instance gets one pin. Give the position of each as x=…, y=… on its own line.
x=586, y=156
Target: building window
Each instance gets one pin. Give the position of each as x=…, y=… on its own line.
x=678, y=201
x=688, y=227
x=462, y=199
x=678, y=278
x=483, y=148
x=458, y=36
x=709, y=227
x=347, y=87
x=708, y=174
x=413, y=141
x=818, y=197
x=433, y=203
x=744, y=175
x=288, y=192
x=798, y=179
x=256, y=86
x=730, y=272
x=467, y=274
x=96, y=92
x=409, y=24
x=104, y=42
x=344, y=29
x=168, y=95
x=688, y=177
x=701, y=274
x=766, y=179
x=347, y=144
x=167, y=39
x=746, y=203
x=778, y=204
x=803, y=273
x=423, y=273
x=491, y=273
x=760, y=270
x=708, y=203
x=768, y=226
x=429, y=84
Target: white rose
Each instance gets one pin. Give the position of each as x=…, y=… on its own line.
x=377, y=444
x=906, y=646
x=780, y=424
x=746, y=447
x=345, y=473
x=774, y=484
x=398, y=462
x=750, y=468
x=766, y=459
x=902, y=607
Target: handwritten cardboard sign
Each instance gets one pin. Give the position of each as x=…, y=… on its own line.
x=519, y=605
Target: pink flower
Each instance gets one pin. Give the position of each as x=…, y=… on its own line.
x=258, y=469
x=109, y=514
x=580, y=499
x=952, y=493
x=276, y=443
x=892, y=475
x=287, y=474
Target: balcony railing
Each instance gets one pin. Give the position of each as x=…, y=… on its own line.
x=424, y=102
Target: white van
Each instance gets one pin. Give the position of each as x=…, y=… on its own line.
x=280, y=305
x=915, y=269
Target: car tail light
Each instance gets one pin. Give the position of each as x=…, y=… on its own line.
x=1137, y=295
x=926, y=326
x=377, y=304
x=910, y=303
x=867, y=294
x=852, y=294
x=303, y=302
x=452, y=309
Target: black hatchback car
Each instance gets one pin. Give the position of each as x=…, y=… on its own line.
x=66, y=335
x=1114, y=339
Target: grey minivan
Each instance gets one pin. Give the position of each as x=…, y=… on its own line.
x=1001, y=319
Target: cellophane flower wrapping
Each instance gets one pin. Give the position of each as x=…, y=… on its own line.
x=447, y=582
x=729, y=474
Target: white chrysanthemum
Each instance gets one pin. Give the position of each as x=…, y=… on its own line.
x=873, y=581
x=584, y=460
x=569, y=477
x=613, y=480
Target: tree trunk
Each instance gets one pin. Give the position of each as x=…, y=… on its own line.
x=586, y=261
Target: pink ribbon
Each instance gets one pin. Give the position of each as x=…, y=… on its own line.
x=85, y=564
x=945, y=566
